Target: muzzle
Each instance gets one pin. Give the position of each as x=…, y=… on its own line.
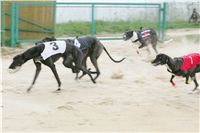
x=14, y=70
x=155, y=63
x=124, y=37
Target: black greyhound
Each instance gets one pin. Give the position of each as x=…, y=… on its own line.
x=179, y=66
x=91, y=47
x=195, y=17
x=144, y=36
x=35, y=54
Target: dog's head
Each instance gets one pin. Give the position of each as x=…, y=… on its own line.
x=161, y=59
x=46, y=39
x=130, y=35
x=18, y=61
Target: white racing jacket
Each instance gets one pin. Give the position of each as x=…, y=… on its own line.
x=53, y=48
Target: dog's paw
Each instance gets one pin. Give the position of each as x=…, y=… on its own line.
x=189, y=81
x=197, y=91
x=173, y=84
x=29, y=89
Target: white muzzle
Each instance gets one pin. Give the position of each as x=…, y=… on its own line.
x=134, y=37
x=14, y=70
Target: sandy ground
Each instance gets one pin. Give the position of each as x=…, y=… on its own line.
x=141, y=100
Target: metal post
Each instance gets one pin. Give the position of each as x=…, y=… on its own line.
x=159, y=22
x=163, y=20
x=3, y=23
x=17, y=23
x=92, y=28
x=54, y=17
x=12, y=24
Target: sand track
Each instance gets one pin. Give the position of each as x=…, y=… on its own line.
x=141, y=100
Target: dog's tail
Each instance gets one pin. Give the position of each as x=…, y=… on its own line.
x=116, y=61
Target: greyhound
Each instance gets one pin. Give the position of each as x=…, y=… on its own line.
x=39, y=54
x=195, y=16
x=144, y=36
x=186, y=66
x=91, y=47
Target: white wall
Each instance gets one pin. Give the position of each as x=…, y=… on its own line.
x=176, y=10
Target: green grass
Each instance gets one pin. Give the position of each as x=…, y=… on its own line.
x=111, y=27
x=83, y=28
x=181, y=24
x=7, y=43
x=79, y=28
x=120, y=26
x=72, y=28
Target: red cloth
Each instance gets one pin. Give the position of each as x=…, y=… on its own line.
x=145, y=33
x=190, y=60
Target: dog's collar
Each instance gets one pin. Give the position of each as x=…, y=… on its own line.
x=168, y=68
x=134, y=37
x=167, y=60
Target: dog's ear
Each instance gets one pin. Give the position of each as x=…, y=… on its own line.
x=53, y=38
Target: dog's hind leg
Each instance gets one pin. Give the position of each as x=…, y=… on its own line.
x=154, y=41
x=85, y=65
x=154, y=44
x=195, y=82
x=94, y=62
x=79, y=65
x=154, y=48
x=38, y=69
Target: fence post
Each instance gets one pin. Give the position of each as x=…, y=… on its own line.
x=16, y=22
x=163, y=20
x=12, y=24
x=159, y=22
x=54, y=17
x=92, y=28
x=3, y=23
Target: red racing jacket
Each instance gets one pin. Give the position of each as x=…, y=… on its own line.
x=190, y=61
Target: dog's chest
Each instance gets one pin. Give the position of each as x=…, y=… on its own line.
x=53, y=48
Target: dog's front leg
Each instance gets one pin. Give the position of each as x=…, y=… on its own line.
x=49, y=62
x=38, y=69
x=79, y=65
x=53, y=69
x=86, y=71
x=85, y=65
x=187, y=79
x=171, y=80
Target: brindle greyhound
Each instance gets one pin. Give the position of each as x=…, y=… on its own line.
x=91, y=47
x=144, y=36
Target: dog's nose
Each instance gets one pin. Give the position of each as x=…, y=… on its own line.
x=10, y=70
x=124, y=37
x=14, y=70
